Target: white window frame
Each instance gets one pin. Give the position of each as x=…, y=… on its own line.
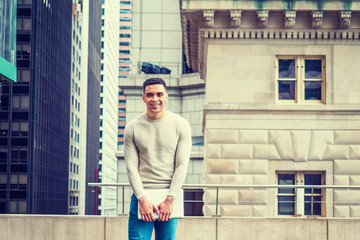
x=300, y=79
x=299, y=194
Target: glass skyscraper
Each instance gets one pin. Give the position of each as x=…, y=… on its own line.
x=35, y=111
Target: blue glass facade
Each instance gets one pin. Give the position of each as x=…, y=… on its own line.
x=8, y=40
x=34, y=113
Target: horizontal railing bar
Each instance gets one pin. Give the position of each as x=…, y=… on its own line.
x=194, y=186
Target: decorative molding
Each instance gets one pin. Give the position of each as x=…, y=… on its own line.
x=345, y=19
x=317, y=17
x=263, y=17
x=290, y=17
x=279, y=34
x=209, y=17
x=235, y=16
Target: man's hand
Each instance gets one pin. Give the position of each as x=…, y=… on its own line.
x=146, y=209
x=166, y=208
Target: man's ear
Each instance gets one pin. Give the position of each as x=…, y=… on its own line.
x=143, y=97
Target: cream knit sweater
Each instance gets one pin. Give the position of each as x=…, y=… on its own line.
x=157, y=153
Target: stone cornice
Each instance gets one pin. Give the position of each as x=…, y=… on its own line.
x=324, y=34
x=199, y=25
x=282, y=108
x=270, y=5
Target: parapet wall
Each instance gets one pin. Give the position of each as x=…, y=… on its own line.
x=46, y=227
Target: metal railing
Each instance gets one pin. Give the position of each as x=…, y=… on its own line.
x=217, y=187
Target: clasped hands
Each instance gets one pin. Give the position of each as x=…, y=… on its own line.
x=164, y=209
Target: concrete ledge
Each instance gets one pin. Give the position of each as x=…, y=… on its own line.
x=59, y=227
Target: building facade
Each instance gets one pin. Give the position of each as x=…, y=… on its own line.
x=109, y=105
x=35, y=112
x=81, y=165
x=281, y=103
x=92, y=41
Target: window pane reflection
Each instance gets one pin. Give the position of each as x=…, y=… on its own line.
x=313, y=69
x=286, y=68
x=286, y=179
x=313, y=179
x=286, y=205
x=316, y=205
x=287, y=90
x=312, y=90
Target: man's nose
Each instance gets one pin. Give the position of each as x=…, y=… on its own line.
x=155, y=97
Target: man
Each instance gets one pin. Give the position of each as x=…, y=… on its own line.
x=157, y=152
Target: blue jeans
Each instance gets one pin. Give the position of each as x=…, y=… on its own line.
x=142, y=230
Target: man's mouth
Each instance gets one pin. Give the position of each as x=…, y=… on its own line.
x=155, y=105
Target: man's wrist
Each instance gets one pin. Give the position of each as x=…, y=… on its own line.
x=170, y=199
x=142, y=199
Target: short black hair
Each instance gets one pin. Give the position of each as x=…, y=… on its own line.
x=152, y=81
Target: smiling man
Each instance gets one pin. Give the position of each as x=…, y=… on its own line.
x=157, y=152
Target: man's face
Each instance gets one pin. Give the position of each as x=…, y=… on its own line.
x=155, y=97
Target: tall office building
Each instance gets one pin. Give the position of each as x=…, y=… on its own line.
x=125, y=38
x=124, y=62
x=92, y=45
x=109, y=104
x=34, y=112
x=84, y=107
x=156, y=43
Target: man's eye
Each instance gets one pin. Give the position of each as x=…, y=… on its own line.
x=149, y=95
x=159, y=94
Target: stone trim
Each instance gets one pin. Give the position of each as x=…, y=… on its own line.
x=317, y=17
x=209, y=17
x=278, y=34
x=263, y=18
x=290, y=17
x=345, y=19
x=235, y=16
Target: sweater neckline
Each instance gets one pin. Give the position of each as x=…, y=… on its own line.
x=157, y=120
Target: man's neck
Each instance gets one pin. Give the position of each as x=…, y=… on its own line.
x=156, y=116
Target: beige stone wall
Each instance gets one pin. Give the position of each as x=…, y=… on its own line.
x=249, y=135
x=246, y=149
x=243, y=71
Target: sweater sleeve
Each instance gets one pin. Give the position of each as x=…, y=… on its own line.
x=132, y=162
x=182, y=157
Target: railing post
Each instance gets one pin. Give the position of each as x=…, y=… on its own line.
x=312, y=201
x=300, y=197
x=123, y=199
x=217, y=200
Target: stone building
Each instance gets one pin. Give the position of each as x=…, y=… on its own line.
x=282, y=94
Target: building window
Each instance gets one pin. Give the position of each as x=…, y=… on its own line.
x=193, y=202
x=124, y=68
x=300, y=79
x=125, y=19
x=125, y=27
x=124, y=44
x=125, y=35
x=124, y=52
x=301, y=201
x=125, y=10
